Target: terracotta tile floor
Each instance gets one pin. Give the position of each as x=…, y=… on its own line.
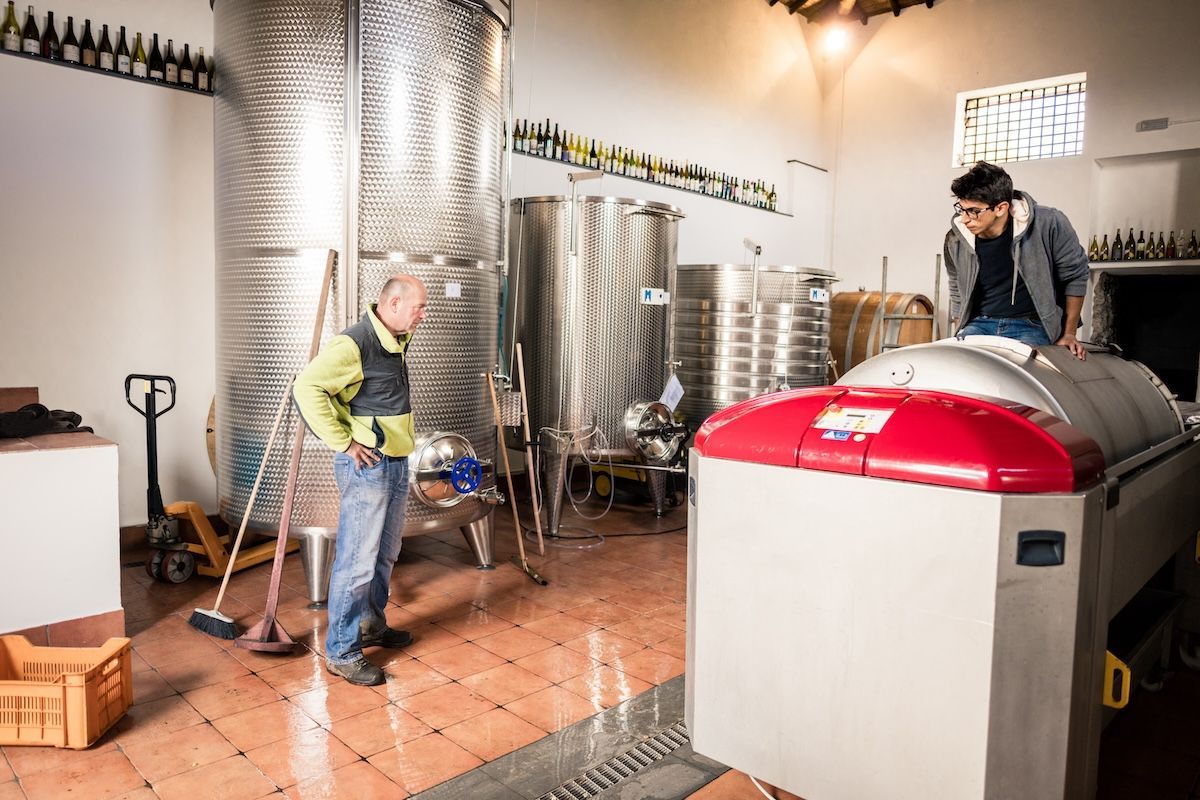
x=498, y=662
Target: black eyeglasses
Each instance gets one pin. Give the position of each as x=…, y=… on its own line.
x=970, y=213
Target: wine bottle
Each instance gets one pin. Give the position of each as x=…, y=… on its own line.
x=555, y=144
x=87, y=48
x=187, y=77
x=157, y=71
x=107, y=60
x=1192, y=246
x=31, y=40
x=1160, y=250
x=1169, y=252
x=51, y=48
x=773, y=201
x=1118, y=248
x=141, y=67
x=1103, y=254
x=70, y=45
x=202, y=72
x=124, y=59
x=1130, y=247
x=1094, y=249
x=171, y=64
x=539, y=141
x=11, y=30
x=1141, y=246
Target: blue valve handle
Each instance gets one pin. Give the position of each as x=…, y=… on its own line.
x=466, y=475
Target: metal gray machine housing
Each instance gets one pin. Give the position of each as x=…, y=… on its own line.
x=373, y=128
x=906, y=624
x=1122, y=405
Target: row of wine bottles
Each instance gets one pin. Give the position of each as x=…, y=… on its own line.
x=183, y=71
x=1143, y=249
x=588, y=152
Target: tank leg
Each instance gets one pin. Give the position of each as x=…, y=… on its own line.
x=658, y=491
x=481, y=538
x=552, y=500
x=316, y=555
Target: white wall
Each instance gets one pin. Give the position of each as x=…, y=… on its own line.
x=724, y=83
x=106, y=266
x=901, y=78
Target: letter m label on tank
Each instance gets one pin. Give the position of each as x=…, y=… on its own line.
x=655, y=297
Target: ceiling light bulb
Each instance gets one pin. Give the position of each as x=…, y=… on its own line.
x=835, y=40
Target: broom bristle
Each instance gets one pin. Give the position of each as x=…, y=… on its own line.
x=214, y=623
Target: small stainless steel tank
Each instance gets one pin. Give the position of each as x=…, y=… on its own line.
x=383, y=140
x=738, y=335
x=591, y=309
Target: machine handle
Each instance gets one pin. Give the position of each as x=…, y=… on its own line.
x=150, y=388
x=1041, y=548
x=1117, y=678
x=466, y=475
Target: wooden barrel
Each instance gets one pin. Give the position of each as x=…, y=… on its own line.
x=861, y=326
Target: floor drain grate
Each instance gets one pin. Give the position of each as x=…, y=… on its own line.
x=611, y=772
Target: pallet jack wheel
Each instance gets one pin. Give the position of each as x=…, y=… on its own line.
x=177, y=566
x=154, y=564
x=603, y=484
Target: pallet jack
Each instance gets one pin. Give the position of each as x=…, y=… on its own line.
x=172, y=559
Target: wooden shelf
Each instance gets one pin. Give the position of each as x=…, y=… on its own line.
x=655, y=183
x=106, y=73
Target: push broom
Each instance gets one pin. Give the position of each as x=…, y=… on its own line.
x=211, y=620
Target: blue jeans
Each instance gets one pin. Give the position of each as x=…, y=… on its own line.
x=1019, y=328
x=370, y=524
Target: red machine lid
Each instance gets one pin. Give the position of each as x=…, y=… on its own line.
x=922, y=436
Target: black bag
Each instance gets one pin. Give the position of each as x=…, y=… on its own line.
x=35, y=418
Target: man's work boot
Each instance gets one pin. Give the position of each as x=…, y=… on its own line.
x=390, y=638
x=360, y=672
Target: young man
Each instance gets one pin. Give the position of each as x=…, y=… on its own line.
x=1016, y=268
x=355, y=396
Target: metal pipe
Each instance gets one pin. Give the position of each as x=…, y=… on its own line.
x=937, y=293
x=347, y=298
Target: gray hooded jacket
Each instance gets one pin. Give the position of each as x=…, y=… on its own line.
x=1046, y=253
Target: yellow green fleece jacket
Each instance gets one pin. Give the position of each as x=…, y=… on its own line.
x=356, y=389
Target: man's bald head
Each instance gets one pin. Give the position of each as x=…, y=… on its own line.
x=399, y=285
x=401, y=306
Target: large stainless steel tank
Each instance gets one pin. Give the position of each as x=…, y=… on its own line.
x=737, y=336
x=589, y=311
x=378, y=134
x=1119, y=403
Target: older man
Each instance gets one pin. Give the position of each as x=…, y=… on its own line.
x=355, y=396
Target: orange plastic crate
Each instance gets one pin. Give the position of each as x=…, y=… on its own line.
x=62, y=696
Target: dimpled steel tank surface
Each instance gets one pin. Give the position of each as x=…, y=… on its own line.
x=372, y=128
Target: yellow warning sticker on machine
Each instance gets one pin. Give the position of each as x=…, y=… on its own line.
x=858, y=420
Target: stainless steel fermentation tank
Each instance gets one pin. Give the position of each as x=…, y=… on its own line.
x=373, y=128
x=970, y=528
x=745, y=329
x=590, y=305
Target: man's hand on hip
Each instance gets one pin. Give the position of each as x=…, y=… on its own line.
x=364, y=457
x=1074, y=345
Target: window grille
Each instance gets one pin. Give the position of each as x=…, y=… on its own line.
x=1022, y=122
